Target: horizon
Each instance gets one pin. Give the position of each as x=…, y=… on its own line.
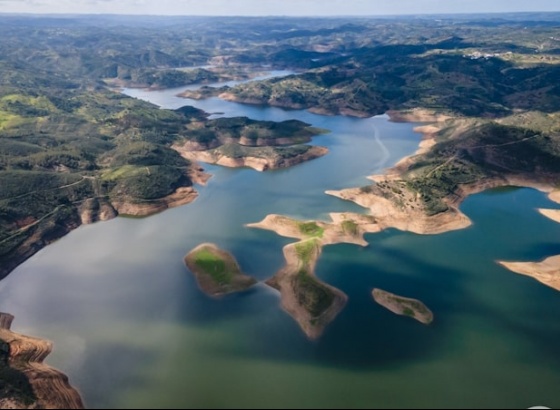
x=344, y=16
x=273, y=8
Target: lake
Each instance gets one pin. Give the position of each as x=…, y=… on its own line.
x=132, y=330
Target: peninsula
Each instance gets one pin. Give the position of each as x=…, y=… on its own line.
x=311, y=302
x=216, y=271
x=458, y=157
x=548, y=270
x=242, y=142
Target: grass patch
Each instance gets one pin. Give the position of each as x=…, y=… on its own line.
x=313, y=295
x=214, y=266
x=127, y=171
x=409, y=312
x=350, y=227
x=305, y=251
x=311, y=229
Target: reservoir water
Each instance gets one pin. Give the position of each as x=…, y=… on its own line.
x=132, y=330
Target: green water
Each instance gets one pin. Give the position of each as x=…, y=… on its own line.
x=132, y=330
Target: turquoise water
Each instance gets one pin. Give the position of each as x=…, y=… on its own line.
x=132, y=330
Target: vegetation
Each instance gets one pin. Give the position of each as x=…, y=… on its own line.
x=253, y=133
x=350, y=227
x=216, y=271
x=66, y=138
x=313, y=295
x=214, y=266
x=306, y=250
x=311, y=229
x=484, y=151
x=404, y=306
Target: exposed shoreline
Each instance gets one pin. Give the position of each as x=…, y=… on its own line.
x=260, y=164
x=345, y=228
x=548, y=270
x=553, y=214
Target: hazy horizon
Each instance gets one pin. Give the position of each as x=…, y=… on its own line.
x=288, y=8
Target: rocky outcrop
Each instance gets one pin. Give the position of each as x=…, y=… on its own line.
x=50, y=388
x=133, y=207
x=95, y=210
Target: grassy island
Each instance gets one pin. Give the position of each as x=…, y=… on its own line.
x=404, y=306
x=217, y=271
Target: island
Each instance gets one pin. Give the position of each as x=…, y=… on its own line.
x=216, y=271
x=311, y=302
x=25, y=381
x=404, y=306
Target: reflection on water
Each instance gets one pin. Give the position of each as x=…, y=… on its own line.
x=132, y=329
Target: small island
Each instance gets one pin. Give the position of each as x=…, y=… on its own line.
x=25, y=381
x=216, y=271
x=311, y=302
x=404, y=306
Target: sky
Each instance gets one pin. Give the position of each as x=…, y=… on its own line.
x=274, y=7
